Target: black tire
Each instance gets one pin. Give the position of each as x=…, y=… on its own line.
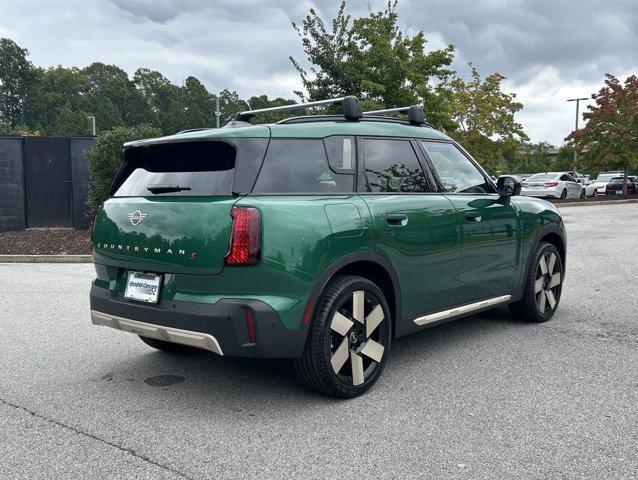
x=168, y=347
x=583, y=193
x=563, y=194
x=532, y=307
x=331, y=338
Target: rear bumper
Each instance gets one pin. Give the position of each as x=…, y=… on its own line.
x=540, y=193
x=220, y=327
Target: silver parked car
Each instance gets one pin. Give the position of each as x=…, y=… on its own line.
x=553, y=184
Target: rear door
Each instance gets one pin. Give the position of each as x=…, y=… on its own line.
x=415, y=227
x=489, y=265
x=170, y=209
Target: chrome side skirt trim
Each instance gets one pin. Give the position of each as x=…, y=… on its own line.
x=453, y=312
x=175, y=335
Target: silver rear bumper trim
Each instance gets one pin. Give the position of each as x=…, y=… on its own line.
x=454, y=312
x=175, y=335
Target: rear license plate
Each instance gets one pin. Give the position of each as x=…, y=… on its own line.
x=143, y=287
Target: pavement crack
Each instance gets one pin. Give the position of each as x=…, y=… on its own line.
x=121, y=448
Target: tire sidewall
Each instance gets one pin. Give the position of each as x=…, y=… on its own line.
x=321, y=326
x=543, y=249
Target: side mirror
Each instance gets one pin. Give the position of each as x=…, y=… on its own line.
x=507, y=186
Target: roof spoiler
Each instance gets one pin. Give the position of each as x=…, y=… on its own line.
x=414, y=113
x=349, y=105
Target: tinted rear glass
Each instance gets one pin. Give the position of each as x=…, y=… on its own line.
x=300, y=166
x=182, y=169
x=392, y=166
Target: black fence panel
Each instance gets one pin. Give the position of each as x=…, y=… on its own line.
x=48, y=180
x=12, y=208
x=80, y=177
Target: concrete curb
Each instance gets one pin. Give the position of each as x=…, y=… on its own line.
x=600, y=202
x=45, y=259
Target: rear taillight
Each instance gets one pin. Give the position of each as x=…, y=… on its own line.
x=245, y=240
x=551, y=184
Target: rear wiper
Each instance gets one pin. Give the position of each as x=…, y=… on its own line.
x=166, y=188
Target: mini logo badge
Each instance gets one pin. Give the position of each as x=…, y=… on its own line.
x=136, y=217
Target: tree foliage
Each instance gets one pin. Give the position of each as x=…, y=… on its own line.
x=485, y=122
x=105, y=158
x=58, y=100
x=371, y=58
x=611, y=132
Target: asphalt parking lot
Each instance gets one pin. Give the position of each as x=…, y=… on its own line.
x=483, y=397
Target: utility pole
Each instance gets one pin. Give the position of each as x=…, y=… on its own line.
x=217, y=112
x=92, y=118
x=577, y=100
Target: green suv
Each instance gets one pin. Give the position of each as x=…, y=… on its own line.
x=317, y=238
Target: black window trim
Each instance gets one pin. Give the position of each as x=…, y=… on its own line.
x=361, y=167
x=481, y=170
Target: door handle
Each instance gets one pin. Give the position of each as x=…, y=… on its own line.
x=472, y=217
x=396, y=219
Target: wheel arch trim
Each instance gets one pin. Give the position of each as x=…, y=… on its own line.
x=350, y=259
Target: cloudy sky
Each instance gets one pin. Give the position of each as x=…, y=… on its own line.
x=550, y=50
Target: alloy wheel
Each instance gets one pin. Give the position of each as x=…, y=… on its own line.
x=548, y=282
x=357, y=344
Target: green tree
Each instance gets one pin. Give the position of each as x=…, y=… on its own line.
x=611, y=132
x=105, y=158
x=107, y=115
x=370, y=57
x=70, y=122
x=230, y=104
x=485, y=119
x=16, y=75
x=198, y=104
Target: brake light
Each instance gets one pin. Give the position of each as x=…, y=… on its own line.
x=245, y=240
x=551, y=184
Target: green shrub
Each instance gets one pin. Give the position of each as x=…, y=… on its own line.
x=105, y=158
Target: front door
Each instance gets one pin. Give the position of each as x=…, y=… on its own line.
x=415, y=228
x=489, y=264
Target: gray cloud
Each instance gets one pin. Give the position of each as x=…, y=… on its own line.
x=549, y=50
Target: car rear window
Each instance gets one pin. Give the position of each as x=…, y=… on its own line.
x=181, y=169
x=301, y=166
x=541, y=176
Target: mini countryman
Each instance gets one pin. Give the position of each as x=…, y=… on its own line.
x=317, y=238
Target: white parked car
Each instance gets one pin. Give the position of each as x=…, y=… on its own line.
x=591, y=190
x=600, y=182
x=553, y=184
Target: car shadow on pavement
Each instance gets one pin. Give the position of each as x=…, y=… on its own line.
x=204, y=380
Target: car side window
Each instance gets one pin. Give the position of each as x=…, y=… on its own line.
x=300, y=166
x=457, y=173
x=393, y=166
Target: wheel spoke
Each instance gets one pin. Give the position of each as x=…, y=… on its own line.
x=543, y=264
x=374, y=319
x=552, y=261
x=356, y=362
x=340, y=324
x=541, y=301
x=340, y=356
x=538, y=285
x=550, y=298
x=373, y=350
x=555, y=281
x=358, y=299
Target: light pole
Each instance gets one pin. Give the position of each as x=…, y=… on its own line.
x=577, y=100
x=92, y=118
x=217, y=112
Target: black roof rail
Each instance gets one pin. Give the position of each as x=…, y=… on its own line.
x=414, y=113
x=349, y=105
